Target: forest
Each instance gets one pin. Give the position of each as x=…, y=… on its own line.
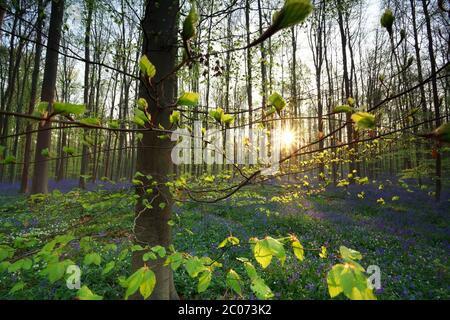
x=224, y=150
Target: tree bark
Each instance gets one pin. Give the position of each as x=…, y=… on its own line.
x=33, y=94
x=151, y=226
x=40, y=175
x=87, y=44
x=435, y=95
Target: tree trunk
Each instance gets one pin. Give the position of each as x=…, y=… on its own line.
x=435, y=95
x=40, y=175
x=151, y=226
x=87, y=43
x=33, y=94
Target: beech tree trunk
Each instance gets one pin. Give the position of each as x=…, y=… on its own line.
x=40, y=175
x=151, y=226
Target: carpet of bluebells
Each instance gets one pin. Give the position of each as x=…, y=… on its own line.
x=401, y=230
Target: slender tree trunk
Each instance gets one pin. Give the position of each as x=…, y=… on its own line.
x=33, y=94
x=40, y=175
x=87, y=43
x=435, y=95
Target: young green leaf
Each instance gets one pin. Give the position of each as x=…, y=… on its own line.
x=277, y=101
x=349, y=254
x=109, y=266
x=190, y=24
x=92, y=258
x=293, y=12
x=68, y=108
x=17, y=287
x=204, y=280
x=6, y=252
x=188, y=99
x=148, y=283
x=364, y=120
x=298, y=250
x=147, y=68
x=84, y=293
x=261, y=290
x=194, y=266
x=134, y=282
x=175, y=117
x=234, y=281
x=387, y=20
x=343, y=108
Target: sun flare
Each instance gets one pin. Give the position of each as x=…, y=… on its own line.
x=287, y=138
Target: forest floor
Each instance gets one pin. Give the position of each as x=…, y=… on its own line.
x=408, y=237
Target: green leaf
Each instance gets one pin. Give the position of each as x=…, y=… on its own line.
x=69, y=150
x=293, y=12
x=231, y=240
x=134, y=282
x=223, y=243
x=188, y=99
x=343, y=108
x=4, y=266
x=142, y=104
x=351, y=101
x=148, y=283
x=323, y=252
x=109, y=266
x=56, y=270
x=266, y=248
x=17, y=287
x=217, y=114
x=147, y=68
x=68, y=108
x=84, y=293
x=349, y=254
x=113, y=124
x=262, y=253
x=227, y=119
x=261, y=290
x=95, y=122
x=175, y=117
x=190, y=24
x=149, y=256
x=161, y=251
x=45, y=153
x=194, y=266
x=364, y=120
x=175, y=260
x=136, y=247
x=8, y=160
x=140, y=118
x=277, y=101
x=251, y=271
x=387, y=20
x=24, y=264
x=6, y=252
x=298, y=250
x=233, y=281
x=92, y=258
x=42, y=107
x=204, y=280
x=334, y=280
x=349, y=279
